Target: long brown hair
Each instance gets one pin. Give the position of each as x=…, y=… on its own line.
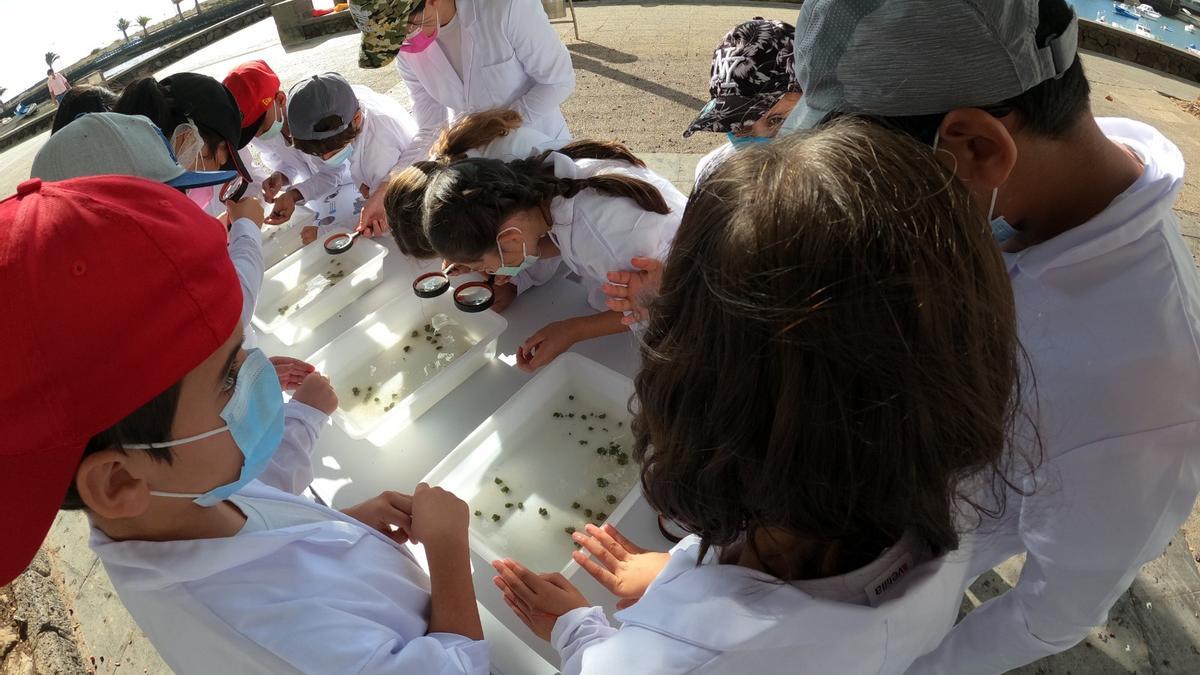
x=833, y=354
x=405, y=191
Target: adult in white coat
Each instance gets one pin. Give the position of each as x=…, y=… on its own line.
x=1107, y=295
x=594, y=214
x=823, y=523
x=465, y=56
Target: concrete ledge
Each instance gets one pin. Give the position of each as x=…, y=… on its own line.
x=44, y=620
x=295, y=22
x=1124, y=45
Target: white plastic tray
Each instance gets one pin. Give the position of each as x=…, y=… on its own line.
x=280, y=241
x=384, y=330
x=362, y=265
x=520, y=444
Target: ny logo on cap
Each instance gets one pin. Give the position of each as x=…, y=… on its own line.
x=724, y=63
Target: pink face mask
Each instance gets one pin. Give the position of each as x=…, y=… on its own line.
x=201, y=196
x=419, y=42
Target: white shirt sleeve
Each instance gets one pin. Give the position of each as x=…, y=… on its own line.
x=574, y=632
x=544, y=57
x=537, y=274
x=245, y=249
x=291, y=469
x=1084, y=548
x=431, y=117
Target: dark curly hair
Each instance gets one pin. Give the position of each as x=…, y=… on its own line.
x=833, y=354
x=467, y=200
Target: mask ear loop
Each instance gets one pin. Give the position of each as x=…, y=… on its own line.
x=992, y=206
x=936, y=138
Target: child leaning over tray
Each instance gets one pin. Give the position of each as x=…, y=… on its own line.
x=170, y=441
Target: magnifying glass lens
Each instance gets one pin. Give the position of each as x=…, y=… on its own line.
x=431, y=285
x=339, y=242
x=474, y=297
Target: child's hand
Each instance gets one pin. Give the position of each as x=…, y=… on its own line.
x=636, y=288
x=387, y=511
x=625, y=569
x=537, y=599
x=372, y=220
x=503, y=296
x=308, y=234
x=439, y=519
x=284, y=207
x=273, y=184
x=545, y=345
x=291, y=372
x=316, y=392
x=246, y=207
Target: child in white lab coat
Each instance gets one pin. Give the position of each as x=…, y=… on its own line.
x=339, y=123
x=824, y=365
x=489, y=216
x=295, y=177
x=494, y=134
x=175, y=442
x=466, y=56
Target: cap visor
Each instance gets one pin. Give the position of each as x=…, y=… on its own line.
x=803, y=117
x=196, y=179
x=235, y=163
x=724, y=111
x=32, y=486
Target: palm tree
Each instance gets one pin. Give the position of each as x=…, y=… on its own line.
x=142, y=21
x=51, y=57
x=177, y=10
x=197, y=6
x=123, y=26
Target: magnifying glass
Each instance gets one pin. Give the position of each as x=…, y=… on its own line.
x=340, y=242
x=471, y=297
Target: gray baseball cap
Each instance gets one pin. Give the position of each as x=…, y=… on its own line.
x=315, y=98
x=901, y=58
x=104, y=143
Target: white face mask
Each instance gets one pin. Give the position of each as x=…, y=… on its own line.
x=276, y=126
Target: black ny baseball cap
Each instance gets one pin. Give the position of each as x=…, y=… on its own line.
x=752, y=69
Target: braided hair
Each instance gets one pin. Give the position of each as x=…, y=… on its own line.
x=467, y=201
x=405, y=192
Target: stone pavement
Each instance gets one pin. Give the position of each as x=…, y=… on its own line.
x=642, y=72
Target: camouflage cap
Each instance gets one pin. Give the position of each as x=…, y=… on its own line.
x=384, y=25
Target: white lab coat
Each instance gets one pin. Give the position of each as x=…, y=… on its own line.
x=387, y=133
x=306, y=173
x=597, y=233
x=512, y=58
x=717, y=618
x=245, y=250
x=326, y=597
x=1109, y=313
x=713, y=159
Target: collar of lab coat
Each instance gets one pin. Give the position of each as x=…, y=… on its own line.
x=1147, y=202
x=760, y=612
x=151, y=565
x=434, y=69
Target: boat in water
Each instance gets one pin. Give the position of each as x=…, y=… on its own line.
x=1148, y=12
x=1122, y=9
x=1101, y=17
x=1190, y=28
x=1192, y=50
x=1142, y=31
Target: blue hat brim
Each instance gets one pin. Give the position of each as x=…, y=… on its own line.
x=196, y=179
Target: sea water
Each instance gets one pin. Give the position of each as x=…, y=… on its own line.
x=389, y=376
x=327, y=276
x=571, y=465
x=1176, y=37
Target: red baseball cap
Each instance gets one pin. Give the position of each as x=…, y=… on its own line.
x=115, y=288
x=253, y=85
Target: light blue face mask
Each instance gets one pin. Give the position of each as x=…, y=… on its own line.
x=253, y=416
x=527, y=260
x=740, y=142
x=341, y=156
x=1002, y=231
x=276, y=127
